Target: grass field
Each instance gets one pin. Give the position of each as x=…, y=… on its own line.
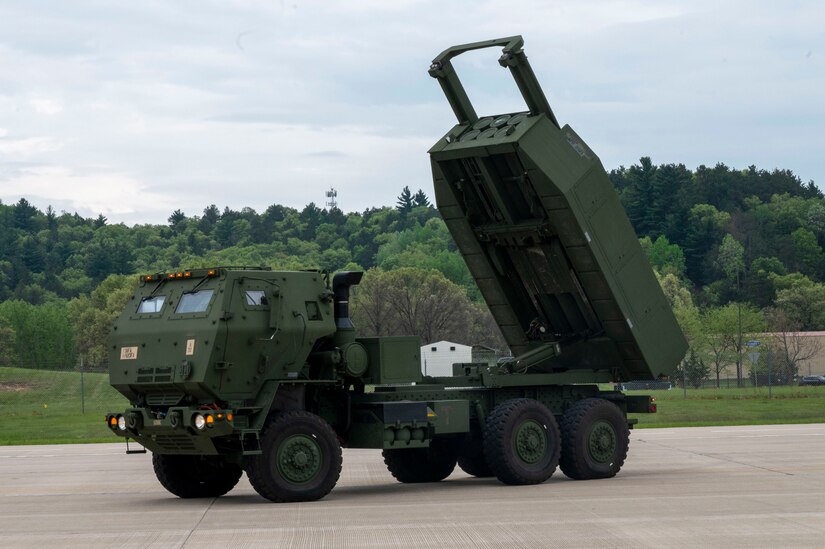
x=44, y=407
x=745, y=406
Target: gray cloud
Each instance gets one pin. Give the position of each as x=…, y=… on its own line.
x=144, y=108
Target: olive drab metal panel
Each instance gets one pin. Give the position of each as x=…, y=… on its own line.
x=545, y=236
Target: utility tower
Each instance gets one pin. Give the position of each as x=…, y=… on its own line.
x=332, y=196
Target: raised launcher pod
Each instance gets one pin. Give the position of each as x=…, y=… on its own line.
x=545, y=236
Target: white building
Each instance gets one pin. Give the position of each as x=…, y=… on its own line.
x=437, y=358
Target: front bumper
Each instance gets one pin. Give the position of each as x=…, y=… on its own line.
x=177, y=432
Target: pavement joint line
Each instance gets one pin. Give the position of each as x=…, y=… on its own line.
x=62, y=456
x=716, y=457
x=810, y=427
x=203, y=515
x=743, y=436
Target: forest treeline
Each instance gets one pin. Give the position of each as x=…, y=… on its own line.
x=719, y=238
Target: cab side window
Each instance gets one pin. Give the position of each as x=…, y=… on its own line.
x=255, y=298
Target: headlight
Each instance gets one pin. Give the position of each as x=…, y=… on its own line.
x=199, y=421
x=121, y=423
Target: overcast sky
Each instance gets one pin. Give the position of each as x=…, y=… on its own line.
x=135, y=109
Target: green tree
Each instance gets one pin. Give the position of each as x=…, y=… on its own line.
x=731, y=258
x=769, y=226
x=668, y=207
x=788, y=346
x=7, y=337
x=808, y=258
x=759, y=287
x=405, y=201
x=24, y=216
x=176, y=220
x=706, y=228
x=42, y=334
x=51, y=220
x=32, y=254
x=310, y=216
x=420, y=199
x=211, y=216
x=681, y=301
x=801, y=299
x=721, y=338
x=693, y=370
x=718, y=186
x=731, y=261
x=411, y=301
x=94, y=315
x=427, y=247
x=223, y=232
x=815, y=218
x=109, y=252
x=371, y=305
x=484, y=329
x=326, y=234
x=664, y=256
x=334, y=259
x=637, y=195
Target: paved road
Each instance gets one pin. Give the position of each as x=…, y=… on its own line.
x=761, y=486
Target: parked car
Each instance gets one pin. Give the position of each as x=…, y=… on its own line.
x=812, y=380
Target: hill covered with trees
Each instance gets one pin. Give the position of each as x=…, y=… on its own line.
x=720, y=239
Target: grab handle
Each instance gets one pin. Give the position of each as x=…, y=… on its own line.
x=512, y=57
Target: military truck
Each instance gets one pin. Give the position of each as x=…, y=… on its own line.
x=237, y=369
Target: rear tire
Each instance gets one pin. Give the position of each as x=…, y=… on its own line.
x=196, y=476
x=471, y=459
x=595, y=439
x=416, y=465
x=301, y=459
x=522, y=442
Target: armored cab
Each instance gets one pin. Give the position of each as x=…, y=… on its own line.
x=204, y=338
x=173, y=341
x=545, y=236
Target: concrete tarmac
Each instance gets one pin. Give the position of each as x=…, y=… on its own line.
x=758, y=486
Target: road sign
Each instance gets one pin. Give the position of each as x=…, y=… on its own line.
x=752, y=343
x=754, y=357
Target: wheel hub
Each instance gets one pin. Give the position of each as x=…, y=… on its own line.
x=299, y=458
x=602, y=442
x=531, y=442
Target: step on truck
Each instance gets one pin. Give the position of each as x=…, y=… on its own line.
x=236, y=369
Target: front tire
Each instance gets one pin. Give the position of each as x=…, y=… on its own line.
x=300, y=461
x=196, y=476
x=522, y=442
x=416, y=465
x=595, y=439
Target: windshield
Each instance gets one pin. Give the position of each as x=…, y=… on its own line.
x=194, y=302
x=151, y=304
